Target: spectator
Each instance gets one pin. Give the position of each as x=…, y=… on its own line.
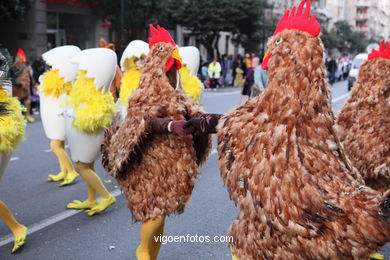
x=260, y=78
x=238, y=74
x=214, y=73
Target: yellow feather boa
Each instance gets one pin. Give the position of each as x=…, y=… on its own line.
x=13, y=125
x=53, y=85
x=129, y=83
x=191, y=85
x=93, y=110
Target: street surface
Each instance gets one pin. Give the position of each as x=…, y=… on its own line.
x=57, y=233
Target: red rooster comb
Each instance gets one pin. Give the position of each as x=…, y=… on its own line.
x=299, y=20
x=384, y=51
x=159, y=35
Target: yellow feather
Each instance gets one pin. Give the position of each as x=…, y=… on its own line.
x=191, y=85
x=13, y=125
x=53, y=85
x=129, y=83
x=94, y=111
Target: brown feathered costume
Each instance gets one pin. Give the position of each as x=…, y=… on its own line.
x=364, y=122
x=156, y=172
x=298, y=196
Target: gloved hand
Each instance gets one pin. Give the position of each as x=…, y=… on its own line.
x=176, y=126
x=166, y=126
x=205, y=124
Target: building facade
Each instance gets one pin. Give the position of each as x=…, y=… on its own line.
x=371, y=17
x=51, y=23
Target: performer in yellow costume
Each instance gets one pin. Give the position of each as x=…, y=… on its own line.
x=90, y=111
x=12, y=131
x=55, y=86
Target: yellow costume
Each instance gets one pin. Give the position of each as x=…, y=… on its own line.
x=12, y=131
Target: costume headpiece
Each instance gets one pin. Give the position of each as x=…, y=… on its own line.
x=162, y=35
x=159, y=35
x=384, y=51
x=299, y=20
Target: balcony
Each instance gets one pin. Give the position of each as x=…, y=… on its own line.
x=362, y=3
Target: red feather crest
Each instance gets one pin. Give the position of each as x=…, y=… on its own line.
x=299, y=20
x=159, y=35
x=384, y=51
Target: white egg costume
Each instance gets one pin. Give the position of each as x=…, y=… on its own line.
x=51, y=107
x=135, y=49
x=99, y=64
x=190, y=57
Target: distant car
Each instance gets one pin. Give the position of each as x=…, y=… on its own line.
x=357, y=61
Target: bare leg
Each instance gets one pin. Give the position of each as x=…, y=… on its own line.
x=19, y=231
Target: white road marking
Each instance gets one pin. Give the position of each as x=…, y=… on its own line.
x=221, y=93
x=14, y=159
x=49, y=221
x=340, y=98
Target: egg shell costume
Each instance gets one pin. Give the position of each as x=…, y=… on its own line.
x=188, y=73
x=131, y=72
x=55, y=86
x=12, y=132
x=84, y=141
x=53, y=101
x=90, y=111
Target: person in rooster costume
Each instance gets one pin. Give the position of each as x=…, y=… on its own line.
x=298, y=195
x=12, y=132
x=150, y=155
x=363, y=123
x=54, y=89
x=91, y=109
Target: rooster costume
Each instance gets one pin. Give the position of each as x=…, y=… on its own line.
x=12, y=131
x=364, y=121
x=156, y=171
x=55, y=86
x=298, y=196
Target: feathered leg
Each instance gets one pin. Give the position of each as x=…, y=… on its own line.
x=68, y=174
x=19, y=231
x=151, y=235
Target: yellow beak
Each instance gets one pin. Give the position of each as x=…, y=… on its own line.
x=176, y=55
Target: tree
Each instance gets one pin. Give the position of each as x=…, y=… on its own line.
x=343, y=38
x=13, y=9
x=137, y=14
x=206, y=19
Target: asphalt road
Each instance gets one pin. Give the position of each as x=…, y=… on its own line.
x=58, y=233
